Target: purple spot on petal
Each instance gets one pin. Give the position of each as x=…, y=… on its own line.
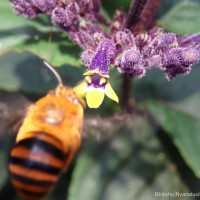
x=96, y=81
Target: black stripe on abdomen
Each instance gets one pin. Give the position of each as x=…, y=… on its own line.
x=35, y=165
x=43, y=172
x=37, y=145
x=30, y=181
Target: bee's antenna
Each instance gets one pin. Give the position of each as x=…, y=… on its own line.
x=54, y=72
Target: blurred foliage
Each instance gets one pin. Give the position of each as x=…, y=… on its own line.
x=183, y=19
x=27, y=73
x=123, y=156
x=122, y=159
x=111, y=5
x=183, y=128
x=37, y=36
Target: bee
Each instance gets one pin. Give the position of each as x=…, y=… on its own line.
x=47, y=141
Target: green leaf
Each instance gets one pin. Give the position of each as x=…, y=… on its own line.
x=125, y=161
x=166, y=5
x=183, y=93
x=58, y=51
x=27, y=73
x=182, y=127
x=10, y=20
x=112, y=5
x=184, y=18
x=37, y=36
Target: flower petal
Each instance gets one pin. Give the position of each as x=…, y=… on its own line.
x=111, y=93
x=94, y=97
x=81, y=88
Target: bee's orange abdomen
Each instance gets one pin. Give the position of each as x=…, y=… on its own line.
x=35, y=165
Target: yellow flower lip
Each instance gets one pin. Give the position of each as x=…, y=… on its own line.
x=95, y=95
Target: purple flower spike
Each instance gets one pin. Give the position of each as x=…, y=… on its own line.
x=179, y=60
x=129, y=47
x=131, y=63
x=168, y=40
x=174, y=70
x=85, y=6
x=59, y=16
x=88, y=36
x=181, y=56
x=190, y=56
x=65, y=16
x=91, y=28
x=125, y=39
x=25, y=8
x=83, y=39
x=119, y=21
x=105, y=51
x=90, y=9
x=190, y=40
x=45, y=5
x=130, y=58
x=173, y=56
x=86, y=57
x=154, y=61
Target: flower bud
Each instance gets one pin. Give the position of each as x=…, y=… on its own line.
x=83, y=39
x=190, y=56
x=138, y=71
x=45, y=6
x=154, y=61
x=190, y=40
x=181, y=56
x=118, y=22
x=131, y=63
x=168, y=40
x=130, y=58
x=125, y=39
x=59, y=16
x=73, y=8
x=179, y=60
x=173, y=56
x=25, y=8
x=142, y=40
x=86, y=57
x=65, y=17
x=86, y=6
x=91, y=28
x=175, y=70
